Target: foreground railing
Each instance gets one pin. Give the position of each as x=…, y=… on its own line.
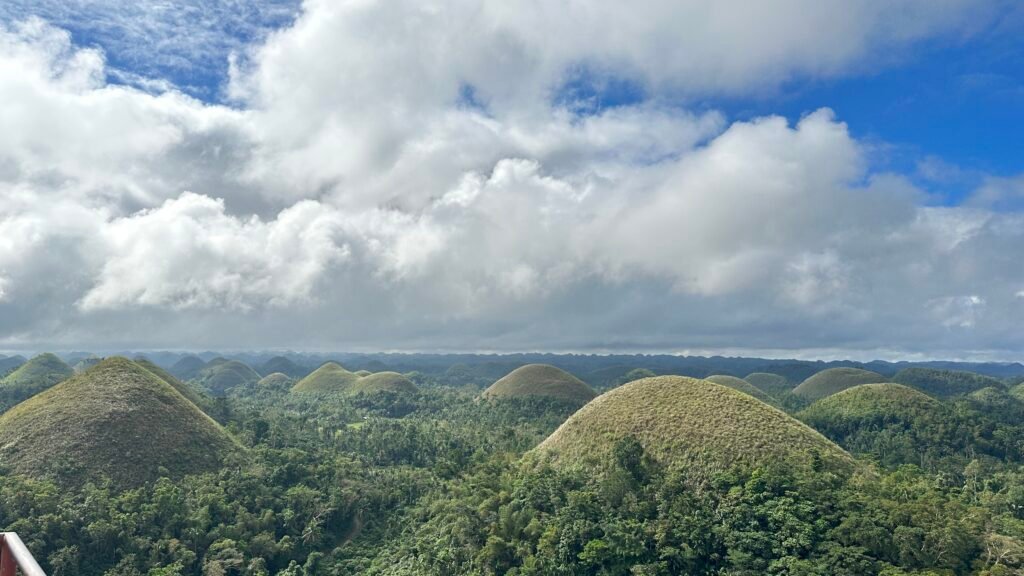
x=14, y=556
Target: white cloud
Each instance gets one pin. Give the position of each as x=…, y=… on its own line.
x=351, y=197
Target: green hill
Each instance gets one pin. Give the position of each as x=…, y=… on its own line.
x=283, y=365
x=86, y=363
x=362, y=373
x=944, y=383
x=328, y=379
x=895, y=423
x=541, y=380
x=771, y=384
x=870, y=404
x=833, y=380
x=690, y=422
x=383, y=382
x=10, y=363
x=117, y=420
x=994, y=397
x=221, y=375
x=188, y=368
x=31, y=378
x=742, y=386
x=186, y=390
x=276, y=381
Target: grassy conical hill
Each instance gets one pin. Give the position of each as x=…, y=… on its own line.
x=771, y=384
x=362, y=373
x=994, y=397
x=86, y=363
x=541, y=380
x=31, y=378
x=383, y=382
x=221, y=375
x=870, y=404
x=116, y=420
x=833, y=380
x=895, y=424
x=944, y=383
x=327, y=379
x=282, y=365
x=187, y=368
x=742, y=386
x=276, y=380
x=187, y=391
x=680, y=420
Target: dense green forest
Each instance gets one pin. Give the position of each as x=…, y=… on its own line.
x=431, y=477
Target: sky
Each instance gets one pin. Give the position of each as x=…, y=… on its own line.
x=799, y=178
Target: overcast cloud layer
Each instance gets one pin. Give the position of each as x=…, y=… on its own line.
x=467, y=175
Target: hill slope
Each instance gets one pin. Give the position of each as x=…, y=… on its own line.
x=541, y=380
x=741, y=386
x=328, y=379
x=221, y=375
x=282, y=365
x=944, y=383
x=276, y=380
x=833, y=380
x=31, y=378
x=383, y=382
x=895, y=423
x=184, y=389
x=691, y=422
x=117, y=420
x=187, y=368
x=771, y=384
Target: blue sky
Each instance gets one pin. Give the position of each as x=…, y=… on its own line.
x=787, y=175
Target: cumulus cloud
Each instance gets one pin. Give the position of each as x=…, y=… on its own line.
x=382, y=181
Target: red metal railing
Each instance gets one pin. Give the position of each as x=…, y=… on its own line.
x=14, y=556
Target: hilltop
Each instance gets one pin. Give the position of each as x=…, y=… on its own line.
x=187, y=368
x=833, y=380
x=329, y=378
x=771, y=384
x=895, y=423
x=31, y=378
x=10, y=363
x=221, y=375
x=116, y=420
x=184, y=389
x=282, y=365
x=870, y=403
x=276, y=380
x=690, y=422
x=944, y=383
x=541, y=380
x=383, y=382
x=742, y=386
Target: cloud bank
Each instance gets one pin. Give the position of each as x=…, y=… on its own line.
x=459, y=175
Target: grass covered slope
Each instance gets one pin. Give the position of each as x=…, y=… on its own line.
x=276, y=380
x=742, y=386
x=688, y=421
x=282, y=365
x=327, y=379
x=870, y=404
x=541, y=380
x=383, y=382
x=769, y=383
x=187, y=368
x=116, y=420
x=31, y=378
x=221, y=375
x=184, y=389
x=833, y=380
x=944, y=383
x=894, y=423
